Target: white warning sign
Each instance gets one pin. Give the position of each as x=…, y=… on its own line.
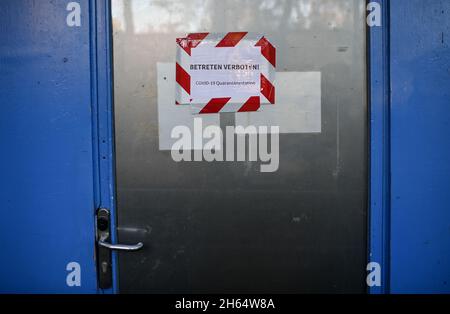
x=225, y=72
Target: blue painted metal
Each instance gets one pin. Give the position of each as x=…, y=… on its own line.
x=420, y=150
x=379, y=218
x=101, y=11
x=56, y=128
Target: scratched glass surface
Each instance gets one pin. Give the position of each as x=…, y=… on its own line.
x=194, y=216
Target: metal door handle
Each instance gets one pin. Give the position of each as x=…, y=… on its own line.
x=121, y=247
x=104, y=248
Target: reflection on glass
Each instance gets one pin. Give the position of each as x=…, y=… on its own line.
x=169, y=16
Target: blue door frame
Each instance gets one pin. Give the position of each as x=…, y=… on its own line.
x=104, y=118
x=379, y=148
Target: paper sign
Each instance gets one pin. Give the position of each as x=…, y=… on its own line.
x=225, y=72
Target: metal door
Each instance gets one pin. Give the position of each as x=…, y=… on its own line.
x=225, y=226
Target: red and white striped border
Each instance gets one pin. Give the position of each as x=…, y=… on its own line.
x=232, y=39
